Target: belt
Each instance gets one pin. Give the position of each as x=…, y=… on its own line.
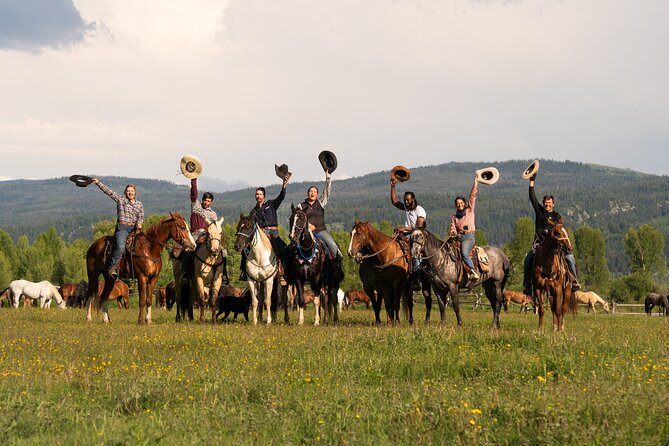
x=467, y=231
x=125, y=223
x=270, y=228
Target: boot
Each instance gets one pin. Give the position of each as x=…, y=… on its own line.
x=113, y=272
x=225, y=279
x=473, y=276
x=242, y=275
x=575, y=286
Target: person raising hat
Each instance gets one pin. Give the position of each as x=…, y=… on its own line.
x=463, y=226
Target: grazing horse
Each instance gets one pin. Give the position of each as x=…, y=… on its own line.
x=143, y=263
x=353, y=296
x=655, y=299
x=4, y=296
x=383, y=269
x=261, y=266
x=43, y=291
x=311, y=263
x=209, y=266
x=590, y=298
x=440, y=264
x=551, y=276
x=120, y=293
x=517, y=297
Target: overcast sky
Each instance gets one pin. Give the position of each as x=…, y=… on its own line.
x=126, y=87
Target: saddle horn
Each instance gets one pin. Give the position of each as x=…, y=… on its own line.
x=488, y=175
x=531, y=170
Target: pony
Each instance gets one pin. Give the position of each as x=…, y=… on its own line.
x=4, y=296
x=383, y=270
x=120, y=293
x=517, y=297
x=551, y=277
x=209, y=266
x=161, y=296
x=142, y=262
x=590, y=298
x=42, y=291
x=357, y=295
x=655, y=299
x=261, y=266
x=441, y=265
x=312, y=263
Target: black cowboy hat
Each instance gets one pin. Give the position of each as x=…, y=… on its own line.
x=81, y=180
x=328, y=161
x=281, y=171
x=400, y=173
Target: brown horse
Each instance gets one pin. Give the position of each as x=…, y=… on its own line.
x=143, y=263
x=161, y=296
x=120, y=293
x=517, y=297
x=383, y=269
x=551, y=276
x=353, y=296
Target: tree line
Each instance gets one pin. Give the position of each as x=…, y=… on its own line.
x=51, y=258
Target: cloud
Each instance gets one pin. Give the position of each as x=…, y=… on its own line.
x=33, y=25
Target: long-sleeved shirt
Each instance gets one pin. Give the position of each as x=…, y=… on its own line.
x=265, y=215
x=467, y=223
x=542, y=218
x=316, y=211
x=126, y=212
x=199, y=215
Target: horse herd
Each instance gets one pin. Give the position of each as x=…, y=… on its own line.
x=385, y=270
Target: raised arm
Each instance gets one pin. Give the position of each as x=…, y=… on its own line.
x=393, y=196
x=472, y=195
x=114, y=196
x=326, y=190
x=533, y=197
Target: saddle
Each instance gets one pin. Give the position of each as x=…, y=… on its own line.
x=478, y=255
x=405, y=245
x=110, y=244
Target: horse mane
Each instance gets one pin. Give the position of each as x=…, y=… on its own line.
x=152, y=230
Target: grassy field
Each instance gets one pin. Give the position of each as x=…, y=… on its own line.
x=62, y=381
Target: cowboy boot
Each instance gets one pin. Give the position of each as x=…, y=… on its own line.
x=225, y=278
x=113, y=272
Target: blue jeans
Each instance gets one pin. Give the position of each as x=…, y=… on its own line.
x=121, y=236
x=330, y=243
x=467, y=241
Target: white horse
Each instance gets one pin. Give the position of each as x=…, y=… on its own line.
x=262, y=265
x=590, y=298
x=43, y=291
x=209, y=268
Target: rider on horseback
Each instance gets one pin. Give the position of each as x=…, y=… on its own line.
x=201, y=213
x=314, y=208
x=264, y=214
x=463, y=227
x=545, y=218
x=129, y=214
x=414, y=217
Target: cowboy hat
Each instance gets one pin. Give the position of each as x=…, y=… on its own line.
x=328, y=160
x=531, y=170
x=400, y=173
x=81, y=180
x=488, y=175
x=190, y=166
x=281, y=171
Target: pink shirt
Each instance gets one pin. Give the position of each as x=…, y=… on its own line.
x=468, y=220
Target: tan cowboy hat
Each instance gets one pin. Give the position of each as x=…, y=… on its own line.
x=190, y=166
x=281, y=171
x=488, y=175
x=328, y=161
x=531, y=170
x=400, y=173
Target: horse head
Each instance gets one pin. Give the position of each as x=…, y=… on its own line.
x=299, y=225
x=360, y=239
x=179, y=232
x=559, y=238
x=418, y=241
x=245, y=229
x=214, y=235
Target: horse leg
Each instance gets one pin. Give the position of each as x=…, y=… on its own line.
x=254, y=300
x=495, y=296
x=284, y=300
x=441, y=302
x=376, y=302
x=141, y=289
x=299, y=297
x=267, y=287
x=150, y=286
x=317, y=306
x=455, y=300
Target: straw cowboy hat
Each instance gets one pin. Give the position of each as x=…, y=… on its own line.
x=400, y=173
x=488, y=175
x=531, y=170
x=81, y=180
x=281, y=171
x=190, y=166
x=328, y=161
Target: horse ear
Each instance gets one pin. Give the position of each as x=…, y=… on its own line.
x=241, y=215
x=292, y=207
x=220, y=221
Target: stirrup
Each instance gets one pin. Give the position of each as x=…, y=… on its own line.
x=113, y=271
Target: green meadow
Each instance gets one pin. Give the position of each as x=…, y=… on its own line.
x=63, y=381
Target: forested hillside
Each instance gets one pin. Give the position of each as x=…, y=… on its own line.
x=613, y=200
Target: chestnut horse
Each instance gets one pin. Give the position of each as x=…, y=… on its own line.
x=144, y=265
x=261, y=266
x=551, y=277
x=311, y=263
x=517, y=297
x=441, y=265
x=120, y=293
x=383, y=269
x=353, y=296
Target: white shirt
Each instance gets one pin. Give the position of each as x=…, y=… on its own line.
x=410, y=217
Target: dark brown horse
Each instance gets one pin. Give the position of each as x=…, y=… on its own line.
x=383, y=269
x=310, y=263
x=143, y=263
x=550, y=276
x=656, y=300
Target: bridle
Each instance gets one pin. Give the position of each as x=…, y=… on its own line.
x=250, y=237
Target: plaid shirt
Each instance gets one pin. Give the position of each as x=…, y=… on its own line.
x=126, y=212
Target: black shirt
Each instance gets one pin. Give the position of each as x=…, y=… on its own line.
x=266, y=215
x=544, y=220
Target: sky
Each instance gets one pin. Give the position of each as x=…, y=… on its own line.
x=126, y=87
